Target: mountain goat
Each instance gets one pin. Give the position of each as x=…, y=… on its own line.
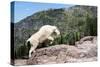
x=44, y=33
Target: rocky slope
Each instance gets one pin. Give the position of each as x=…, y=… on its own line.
x=81, y=52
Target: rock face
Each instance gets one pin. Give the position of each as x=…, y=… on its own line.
x=81, y=52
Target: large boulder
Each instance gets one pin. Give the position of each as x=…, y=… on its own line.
x=84, y=51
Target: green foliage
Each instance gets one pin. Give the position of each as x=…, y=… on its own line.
x=21, y=51
x=91, y=26
x=68, y=38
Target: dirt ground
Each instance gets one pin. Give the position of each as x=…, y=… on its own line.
x=19, y=62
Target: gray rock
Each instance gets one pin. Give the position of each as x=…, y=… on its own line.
x=86, y=51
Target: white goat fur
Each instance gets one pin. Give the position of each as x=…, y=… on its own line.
x=43, y=34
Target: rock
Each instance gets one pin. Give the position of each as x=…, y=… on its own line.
x=81, y=52
x=19, y=62
x=87, y=38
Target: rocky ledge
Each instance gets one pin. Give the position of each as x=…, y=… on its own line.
x=84, y=50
